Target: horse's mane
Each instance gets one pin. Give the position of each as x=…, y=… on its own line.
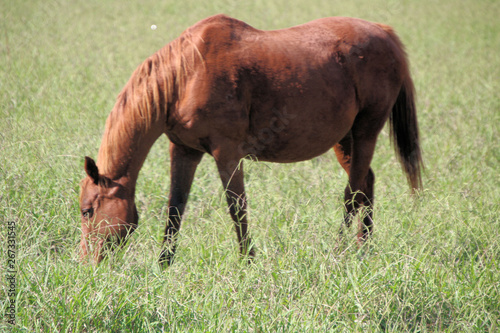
x=144, y=100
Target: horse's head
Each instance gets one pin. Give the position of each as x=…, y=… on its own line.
x=107, y=210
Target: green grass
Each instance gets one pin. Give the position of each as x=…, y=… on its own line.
x=433, y=263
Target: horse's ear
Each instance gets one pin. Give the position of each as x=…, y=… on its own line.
x=91, y=169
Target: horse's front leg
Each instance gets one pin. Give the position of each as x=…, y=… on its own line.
x=183, y=163
x=230, y=169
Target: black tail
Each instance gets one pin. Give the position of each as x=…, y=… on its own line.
x=404, y=124
x=404, y=132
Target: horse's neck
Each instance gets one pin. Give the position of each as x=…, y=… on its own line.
x=138, y=118
x=125, y=146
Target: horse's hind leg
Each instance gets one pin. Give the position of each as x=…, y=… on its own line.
x=354, y=153
x=365, y=130
x=183, y=163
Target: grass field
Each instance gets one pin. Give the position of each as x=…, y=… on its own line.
x=434, y=261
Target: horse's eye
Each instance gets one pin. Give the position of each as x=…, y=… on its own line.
x=88, y=212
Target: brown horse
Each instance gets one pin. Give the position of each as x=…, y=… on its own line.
x=229, y=90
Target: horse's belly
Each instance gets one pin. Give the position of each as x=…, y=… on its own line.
x=284, y=151
x=290, y=155
x=296, y=137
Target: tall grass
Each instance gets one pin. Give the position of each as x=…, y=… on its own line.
x=433, y=263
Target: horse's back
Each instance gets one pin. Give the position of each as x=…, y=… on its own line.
x=328, y=50
x=327, y=33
